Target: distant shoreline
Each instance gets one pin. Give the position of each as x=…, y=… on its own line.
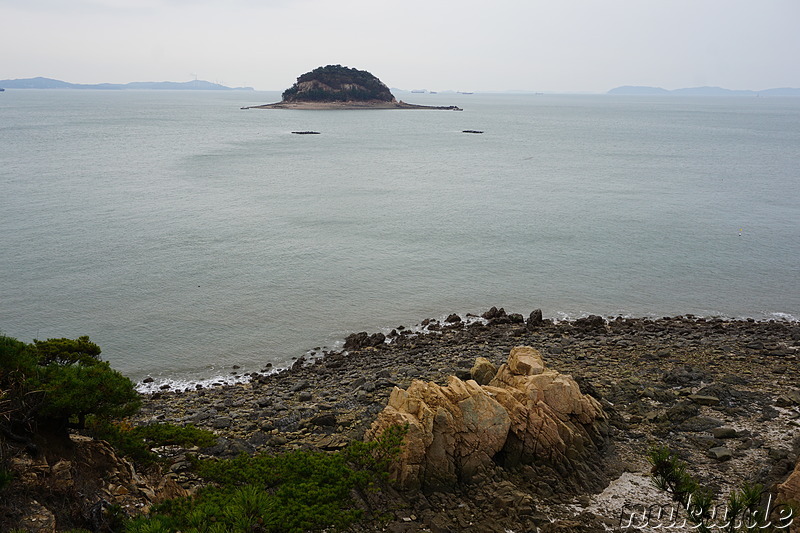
x=372, y=104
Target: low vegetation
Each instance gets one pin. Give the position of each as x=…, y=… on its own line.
x=292, y=492
x=746, y=509
x=49, y=387
x=137, y=442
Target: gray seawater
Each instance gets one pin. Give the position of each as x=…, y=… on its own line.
x=185, y=235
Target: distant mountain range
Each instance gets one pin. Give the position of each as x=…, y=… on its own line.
x=701, y=91
x=49, y=83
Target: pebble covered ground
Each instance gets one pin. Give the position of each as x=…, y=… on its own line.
x=723, y=394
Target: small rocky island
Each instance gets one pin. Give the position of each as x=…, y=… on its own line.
x=338, y=87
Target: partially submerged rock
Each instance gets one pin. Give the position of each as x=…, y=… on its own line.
x=526, y=414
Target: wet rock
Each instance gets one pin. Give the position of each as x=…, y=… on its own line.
x=354, y=341
x=516, y=318
x=590, y=323
x=535, y=319
x=494, y=313
x=453, y=319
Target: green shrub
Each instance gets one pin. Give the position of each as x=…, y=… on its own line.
x=741, y=512
x=59, y=382
x=170, y=434
x=136, y=442
x=292, y=492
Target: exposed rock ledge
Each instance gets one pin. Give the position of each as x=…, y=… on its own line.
x=376, y=104
x=526, y=414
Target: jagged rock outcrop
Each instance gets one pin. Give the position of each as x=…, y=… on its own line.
x=789, y=493
x=92, y=475
x=526, y=414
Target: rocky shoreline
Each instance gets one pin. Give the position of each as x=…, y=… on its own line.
x=375, y=104
x=724, y=394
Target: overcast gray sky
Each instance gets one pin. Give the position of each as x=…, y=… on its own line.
x=553, y=45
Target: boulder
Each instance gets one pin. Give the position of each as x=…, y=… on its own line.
x=452, y=431
x=547, y=409
x=590, y=323
x=720, y=453
x=483, y=371
x=702, y=399
x=527, y=414
x=789, y=490
x=535, y=319
x=494, y=313
x=358, y=341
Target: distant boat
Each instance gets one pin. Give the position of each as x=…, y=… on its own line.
x=1, y=89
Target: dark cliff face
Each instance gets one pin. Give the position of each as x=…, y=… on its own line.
x=335, y=83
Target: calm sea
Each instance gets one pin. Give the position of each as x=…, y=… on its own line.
x=185, y=235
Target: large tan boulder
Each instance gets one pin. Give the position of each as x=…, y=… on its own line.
x=453, y=431
x=548, y=411
x=526, y=413
x=789, y=493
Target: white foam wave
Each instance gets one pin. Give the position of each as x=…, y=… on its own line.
x=782, y=317
x=177, y=384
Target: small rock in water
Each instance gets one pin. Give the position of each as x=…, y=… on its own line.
x=453, y=319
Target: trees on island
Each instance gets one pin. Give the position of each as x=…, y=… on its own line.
x=335, y=83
